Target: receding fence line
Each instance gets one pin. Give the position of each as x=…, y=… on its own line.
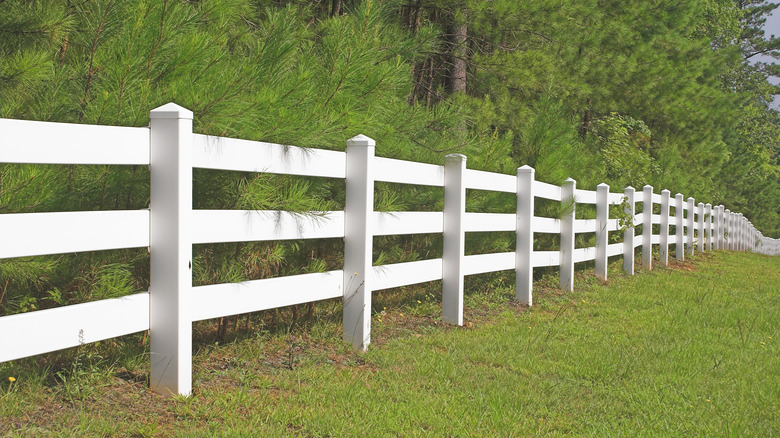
x=170, y=227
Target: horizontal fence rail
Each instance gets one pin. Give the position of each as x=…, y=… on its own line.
x=170, y=227
x=408, y=172
x=30, y=234
x=218, y=300
x=34, y=142
x=215, y=226
x=43, y=331
x=221, y=153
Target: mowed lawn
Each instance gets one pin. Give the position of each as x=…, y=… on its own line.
x=685, y=351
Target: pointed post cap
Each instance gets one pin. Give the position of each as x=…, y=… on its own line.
x=361, y=140
x=602, y=186
x=526, y=169
x=647, y=187
x=666, y=192
x=680, y=195
x=170, y=111
x=690, y=199
x=629, y=189
x=455, y=157
x=569, y=181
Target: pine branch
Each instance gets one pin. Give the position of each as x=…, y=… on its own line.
x=93, y=49
x=159, y=38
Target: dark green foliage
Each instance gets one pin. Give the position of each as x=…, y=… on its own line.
x=624, y=92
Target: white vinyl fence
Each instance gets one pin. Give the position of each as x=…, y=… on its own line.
x=170, y=227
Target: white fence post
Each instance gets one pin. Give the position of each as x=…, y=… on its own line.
x=754, y=238
x=171, y=250
x=602, y=233
x=524, y=270
x=708, y=226
x=628, y=234
x=690, y=228
x=700, y=228
x=732, y=231
x=567, y=234
x=647, y=227
x=664, y=248
x=716, y=227
x=743, y=235
x=727, y=237
x=719, y=227
x=454, y=238
x=739, y=231
x=358, y=241
x=724, y=231
x=679, y=210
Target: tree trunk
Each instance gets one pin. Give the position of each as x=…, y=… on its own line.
x=585, y=127
x=459, y=57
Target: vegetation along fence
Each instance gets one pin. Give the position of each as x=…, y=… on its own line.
x=170, y=227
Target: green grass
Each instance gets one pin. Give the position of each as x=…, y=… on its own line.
x=684, y=351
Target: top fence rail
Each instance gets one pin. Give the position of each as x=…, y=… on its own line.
x=68, y=143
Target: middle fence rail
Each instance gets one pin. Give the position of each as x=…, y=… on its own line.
x=170, y=227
